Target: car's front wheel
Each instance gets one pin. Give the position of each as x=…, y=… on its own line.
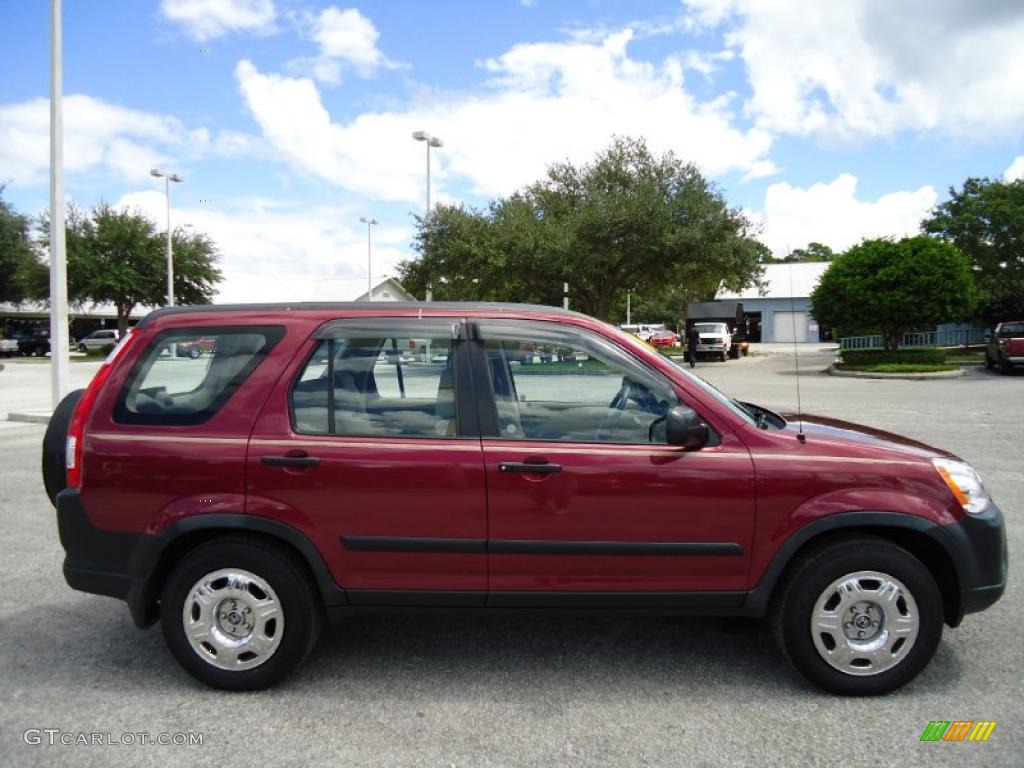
x=240, y=614
x=859, y=616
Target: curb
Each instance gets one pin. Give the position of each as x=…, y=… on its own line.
x=30, y=417
x=833, y=371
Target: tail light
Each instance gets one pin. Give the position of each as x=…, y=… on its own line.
x=76, y=427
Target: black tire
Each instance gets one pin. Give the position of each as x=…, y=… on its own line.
x=82, y=348
x=287, y=576
x=722, y=357
x=55, y=445
x=812, y=575
x=1004, y=367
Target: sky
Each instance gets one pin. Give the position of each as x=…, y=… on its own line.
x=290, y=120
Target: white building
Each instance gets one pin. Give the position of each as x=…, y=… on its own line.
x=781, y=311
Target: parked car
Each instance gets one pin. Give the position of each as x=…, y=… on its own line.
x=663, y=339
x=1006, y=346
x=105, y=337
x=715, y=340
x=642, y=331
x=33, y=342
x=196, y=347
x=8, y=347
x=301, y=475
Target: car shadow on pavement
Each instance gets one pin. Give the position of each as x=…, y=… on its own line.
x=93, y=645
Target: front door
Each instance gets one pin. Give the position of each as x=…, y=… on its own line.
x=373, y=453
x=584, y=495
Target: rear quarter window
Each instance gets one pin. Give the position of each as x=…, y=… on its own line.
x=186, y=375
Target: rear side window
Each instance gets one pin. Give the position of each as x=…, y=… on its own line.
x=186, y=375
x=392, y=380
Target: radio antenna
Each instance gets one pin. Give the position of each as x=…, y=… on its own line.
x=796, y=359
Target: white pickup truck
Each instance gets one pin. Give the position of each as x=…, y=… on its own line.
x=715, y=340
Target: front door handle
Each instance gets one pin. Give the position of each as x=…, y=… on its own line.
x=289, y=461
x=526, y=467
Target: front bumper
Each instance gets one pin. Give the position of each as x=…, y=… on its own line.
x=978, y=543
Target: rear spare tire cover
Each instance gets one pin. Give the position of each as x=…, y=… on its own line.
x=54, y=445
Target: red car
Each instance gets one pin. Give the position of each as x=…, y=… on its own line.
x=308, y=471
x=663, y=339
x=1006, y=346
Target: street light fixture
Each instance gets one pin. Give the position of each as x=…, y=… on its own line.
x=369, y=257
x=168, y=178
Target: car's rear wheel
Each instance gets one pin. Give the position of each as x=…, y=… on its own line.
x=240, y=614
x=859, y=617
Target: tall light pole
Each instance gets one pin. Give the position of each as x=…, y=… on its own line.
x=369, y=257
x=168, y=178
x=60, y=369
x=432, y=141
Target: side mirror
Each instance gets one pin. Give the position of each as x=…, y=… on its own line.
x=684, y=428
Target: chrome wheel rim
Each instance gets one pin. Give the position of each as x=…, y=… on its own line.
x=865, y=623
x=233, y=619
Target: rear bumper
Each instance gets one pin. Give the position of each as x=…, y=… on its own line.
x=95, y=561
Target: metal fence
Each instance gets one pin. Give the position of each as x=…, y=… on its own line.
x=955, y=338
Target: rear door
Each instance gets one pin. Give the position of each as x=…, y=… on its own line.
x=374, y=453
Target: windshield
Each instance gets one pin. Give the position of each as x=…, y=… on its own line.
x=733, y=405
x=710, y=327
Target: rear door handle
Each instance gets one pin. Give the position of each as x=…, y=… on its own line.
x=525, y=467
x=289, y=461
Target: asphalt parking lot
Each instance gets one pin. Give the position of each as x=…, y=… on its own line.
x=520, y=690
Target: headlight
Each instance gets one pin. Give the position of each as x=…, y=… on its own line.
x=965, y=484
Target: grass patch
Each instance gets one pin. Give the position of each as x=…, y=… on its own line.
x=969, y=357
x=900, y=367
x=591, y=367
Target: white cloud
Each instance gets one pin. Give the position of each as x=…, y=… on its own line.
x=1015, y=170
x=544, y=102
x=865, y=68
x=256, y=237
x=104, y=138
x=831, y=213
x=208, y=19
x=347, y=40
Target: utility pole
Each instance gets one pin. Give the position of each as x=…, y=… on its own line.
x=369, y=257
x=60, y=368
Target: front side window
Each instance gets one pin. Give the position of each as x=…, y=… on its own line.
x=171, y=388
x=383, y=382
x=571, y=386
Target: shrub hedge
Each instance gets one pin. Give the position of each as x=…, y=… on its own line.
x=929, y=356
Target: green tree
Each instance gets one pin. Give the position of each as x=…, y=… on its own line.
x=814, y=251
x=118, y=256
x=21, y=272
x=629, y=219
x=985, y=220
x=891, y=287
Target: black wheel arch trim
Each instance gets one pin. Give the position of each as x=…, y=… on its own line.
x=150, y=550
x=975, y=547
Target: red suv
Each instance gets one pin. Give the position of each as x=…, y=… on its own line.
x=308, y=468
